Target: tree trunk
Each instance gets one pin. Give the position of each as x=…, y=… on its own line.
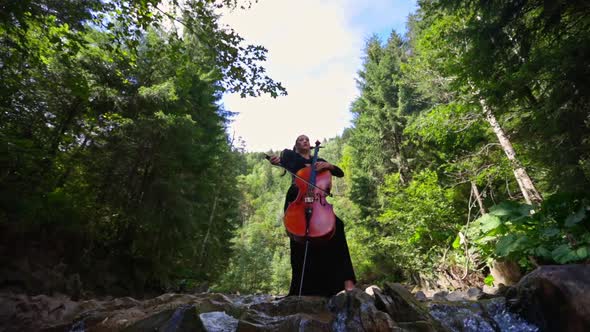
x=477, y=195
x=529, y=192
x=211, y=216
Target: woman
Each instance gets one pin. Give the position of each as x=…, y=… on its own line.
x=328, y=268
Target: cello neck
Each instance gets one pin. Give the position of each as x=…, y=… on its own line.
x=313, y=161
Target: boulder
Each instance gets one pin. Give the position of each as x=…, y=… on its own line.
x=554, y=297
x=505, y=272
x=421, y=296
x=356, y=311
x=292, y=313
x=405, y=310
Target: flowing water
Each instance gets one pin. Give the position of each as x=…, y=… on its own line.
x=482, y=316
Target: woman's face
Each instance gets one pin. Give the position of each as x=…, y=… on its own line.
x=302, y=143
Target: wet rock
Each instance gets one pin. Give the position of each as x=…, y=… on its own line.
x=440, y=296
x=405, y=310
x=420, y=296
x=182, y=319
x=462, y=317
x=555, y=298
x=371, y=290
x=256, y=321
x=494, y=291
x=290, y=305
x=218, y=321
x=356, y=311
x=482, y=316
x=457, y=296
x=474, y=293
x=290, y=313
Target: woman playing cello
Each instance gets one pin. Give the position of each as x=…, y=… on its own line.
x=328, y=268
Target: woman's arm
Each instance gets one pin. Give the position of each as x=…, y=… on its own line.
x=324, y=165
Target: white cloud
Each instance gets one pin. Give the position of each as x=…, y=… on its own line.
x=314, y=50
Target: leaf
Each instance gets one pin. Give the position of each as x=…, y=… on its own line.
x=511, y=243
x=504, y=245
x=489, y=222
x=550, y=232
x=542, y=252
x=489, y=280
x=575, y=218
x=505, y=209
x=583, y=253
x=457, y=242
x=512, y=210
x=564, y=254
x=486, y=239
x=525, y=210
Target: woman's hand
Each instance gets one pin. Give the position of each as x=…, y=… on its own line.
x=323, y=165
x=274, y=160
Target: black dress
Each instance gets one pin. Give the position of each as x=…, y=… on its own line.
x=328, y=264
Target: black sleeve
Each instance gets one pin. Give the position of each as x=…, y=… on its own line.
x=289, y=160
x=337, y=171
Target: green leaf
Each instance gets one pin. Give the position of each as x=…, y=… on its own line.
x=550, y=232
x=504, y=245
x=489, y=280
x=525, y=210
x=486, y=239
x=514, y=211
x=575, y=218
x=542, y=252
x=564, y=254
x=583, y=253
x=511, y=243
x=489, y=222
x=505, y=209
x=457, y=242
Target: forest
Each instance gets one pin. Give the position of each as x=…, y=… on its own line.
x=469, y=145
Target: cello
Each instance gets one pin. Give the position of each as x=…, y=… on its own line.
x=310, y=217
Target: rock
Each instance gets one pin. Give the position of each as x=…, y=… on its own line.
x=356, y=311
x=371, y=290
x=218, y=321
x=440, y=296
x=405, y=310
x=291, y=313
x=555, y=298
x=494, y=291
x=474, y=293
x=457, y=296
x=182, y=319
x=420, y=296
x=505, y=272
x=297, y=322
x=487, y=315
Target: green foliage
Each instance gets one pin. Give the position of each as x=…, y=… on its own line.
x=418, y=222
x=113, y=141
x=555, y=233
x=260, y=262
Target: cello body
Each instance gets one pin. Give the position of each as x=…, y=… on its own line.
x=310, y=216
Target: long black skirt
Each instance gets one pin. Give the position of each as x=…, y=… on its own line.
x=327, y=266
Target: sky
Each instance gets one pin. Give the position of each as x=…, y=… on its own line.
x=315, y=49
